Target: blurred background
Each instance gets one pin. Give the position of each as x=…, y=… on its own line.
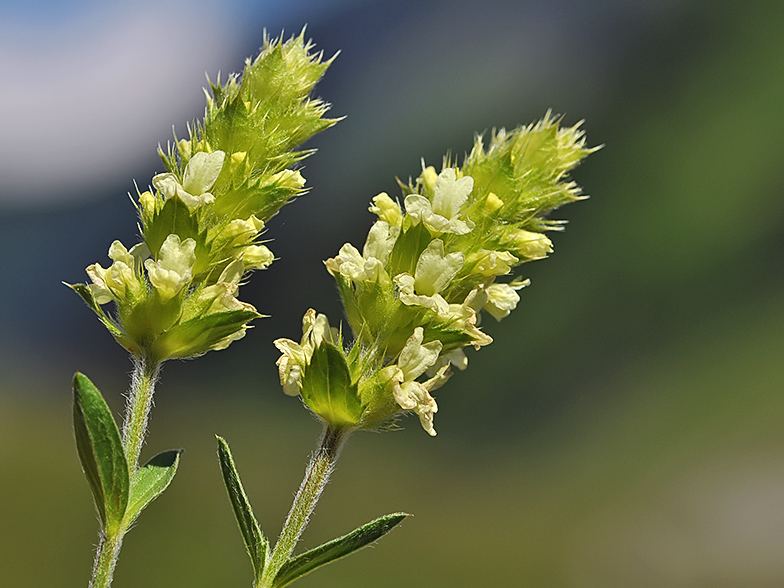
x=625, y=429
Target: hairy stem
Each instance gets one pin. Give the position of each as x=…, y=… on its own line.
x=106, y=560
x=317, y=474
x=145, y=375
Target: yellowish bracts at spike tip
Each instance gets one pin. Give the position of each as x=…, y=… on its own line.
x=175, y=293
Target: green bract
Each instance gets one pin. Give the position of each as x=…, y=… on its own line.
x=175, y=293
x=414, y=294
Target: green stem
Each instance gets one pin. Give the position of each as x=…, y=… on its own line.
x=106, y=560
x=145, y=375
x=317, y=474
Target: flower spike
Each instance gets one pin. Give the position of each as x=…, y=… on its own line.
x=415, y=293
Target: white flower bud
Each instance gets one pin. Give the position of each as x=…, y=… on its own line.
x=428, y=178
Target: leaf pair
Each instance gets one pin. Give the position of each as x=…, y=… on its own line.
x=296, y=567
x=119, y=495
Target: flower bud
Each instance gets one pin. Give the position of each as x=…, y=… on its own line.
x=288, y=178
x=184, y=147
x=148, y=202
x=493, y=203
x=428, y=179
x=531, y=246
x=257, y=257
x=237, y=159
x=387, y=210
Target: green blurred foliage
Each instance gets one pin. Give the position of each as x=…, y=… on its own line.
x=623, y=430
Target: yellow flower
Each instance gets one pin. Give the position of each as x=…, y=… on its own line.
x=172, y=271
x=296, y=356
x=441, y=215
x=352, y=265
x=503, y=298
x=200, y=175
x=434, y=271
x=387, y=210
x=413, y=361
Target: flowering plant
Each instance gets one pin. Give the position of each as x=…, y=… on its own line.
x=434, y=261
x=414, y=297
x=175, y=292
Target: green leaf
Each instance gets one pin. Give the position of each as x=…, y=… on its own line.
x=201, y=334
x=173, y=218
x=253, y=197
x=84, y=291
x=411, y=242
x=150, y=481
x=255, y=542
x=327, y=387
x=337, y=548
x=101, y=453
x=269, y=111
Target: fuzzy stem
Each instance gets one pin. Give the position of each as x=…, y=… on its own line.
x=145, y=375
x=106, y=560
x=317, y=474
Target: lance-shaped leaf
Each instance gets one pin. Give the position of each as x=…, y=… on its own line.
x=255, y=542
x=150, y=481
x=101, y=453
x=87, y=295
x=337, y=548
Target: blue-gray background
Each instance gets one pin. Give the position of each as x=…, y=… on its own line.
x=625, y=429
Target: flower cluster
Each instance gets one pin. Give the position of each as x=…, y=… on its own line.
x=415, y=293
x=175, y=292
